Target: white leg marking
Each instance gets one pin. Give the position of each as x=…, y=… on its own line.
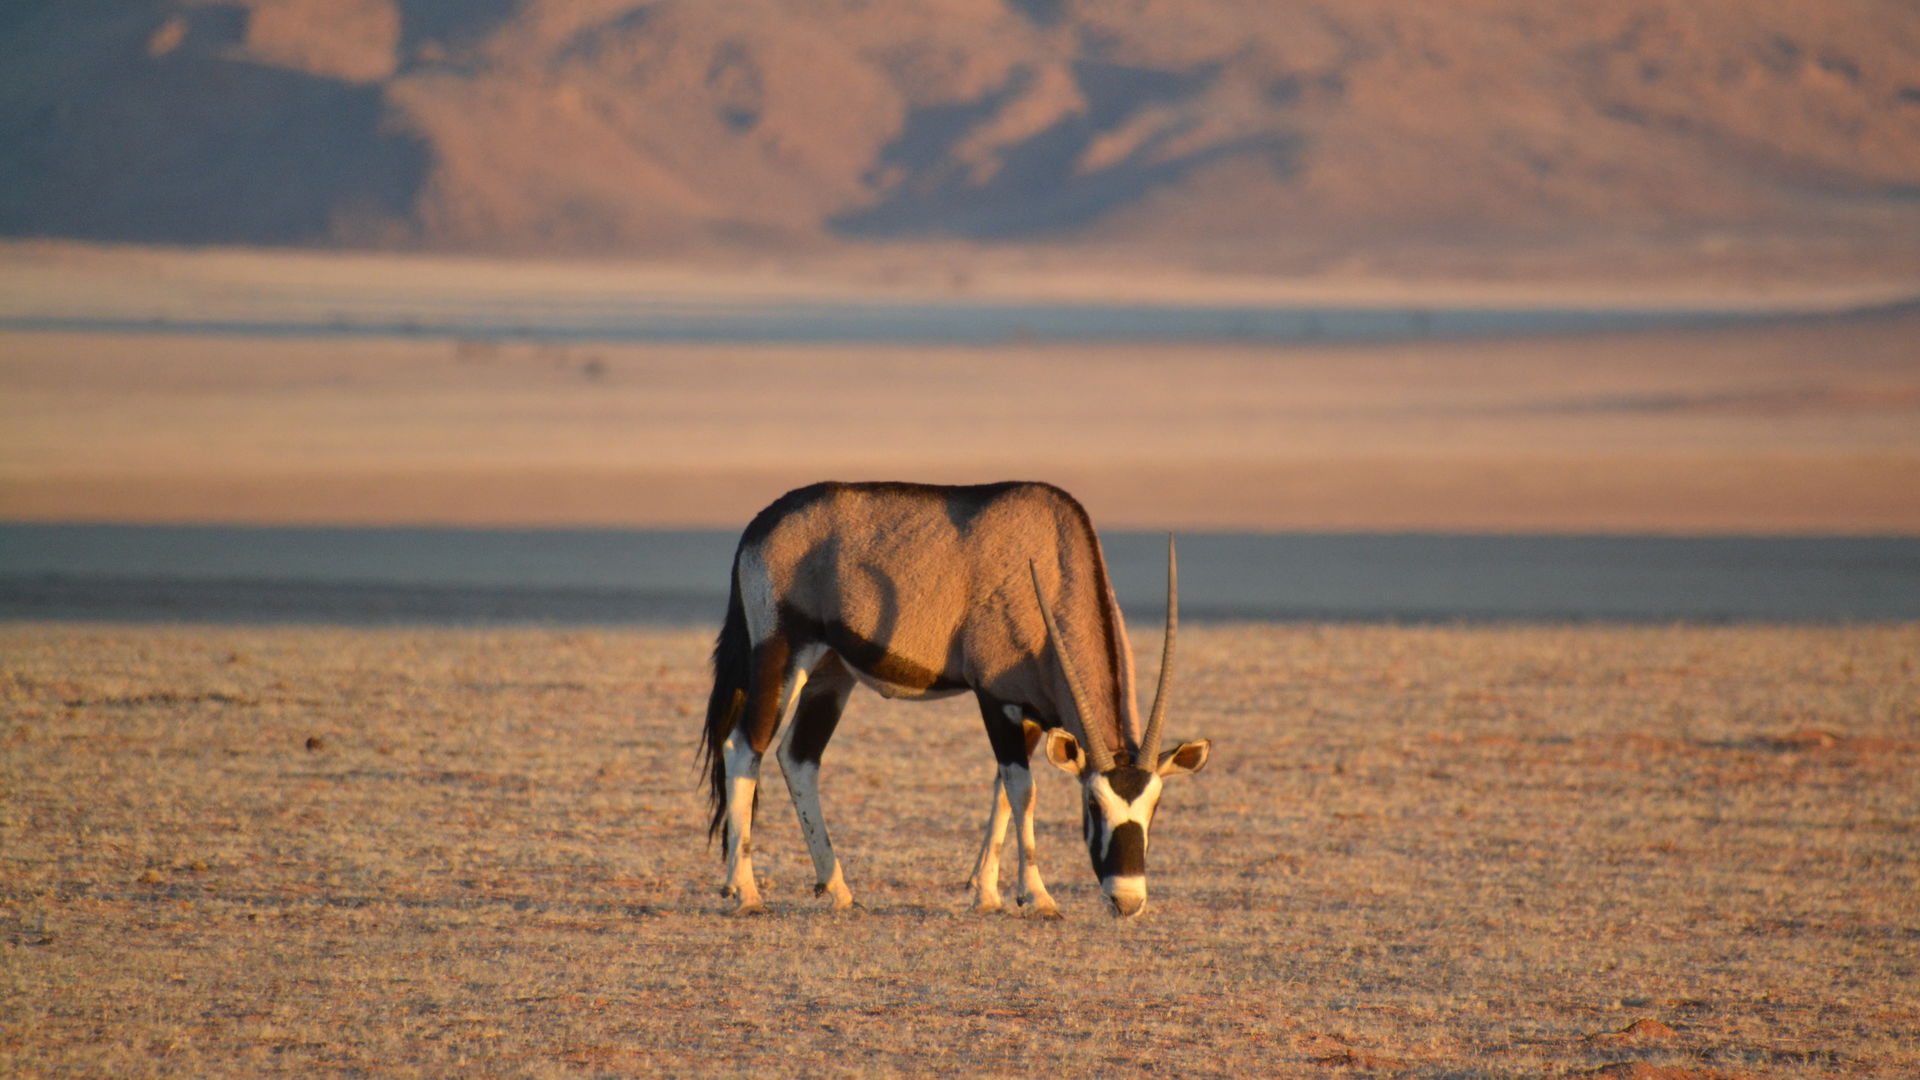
x=986, y=868
x=743, y=777
x=803, y=783
x=1033, y=891
x=799, y=683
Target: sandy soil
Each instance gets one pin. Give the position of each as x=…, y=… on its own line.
x=1660, y=852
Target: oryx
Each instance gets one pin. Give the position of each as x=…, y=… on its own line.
x=923, y=591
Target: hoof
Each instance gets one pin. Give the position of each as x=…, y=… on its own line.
x=1041, y=907
x=745, y=909
x=833, y=899
x=986, y=905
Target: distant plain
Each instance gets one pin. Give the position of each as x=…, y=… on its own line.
x=1807, y=424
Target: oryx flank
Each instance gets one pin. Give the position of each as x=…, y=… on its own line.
x=922, y=591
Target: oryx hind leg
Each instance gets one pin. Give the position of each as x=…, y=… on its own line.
x=815, y=716
x=777, y=679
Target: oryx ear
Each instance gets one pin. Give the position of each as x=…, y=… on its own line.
x=1185, y=758
x=1064, y=751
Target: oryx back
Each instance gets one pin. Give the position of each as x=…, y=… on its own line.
x=924, y=591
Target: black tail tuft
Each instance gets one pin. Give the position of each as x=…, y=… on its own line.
x=732, y=666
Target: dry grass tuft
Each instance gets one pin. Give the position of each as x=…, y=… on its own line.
x=1643, y=1030
x=1443, y=852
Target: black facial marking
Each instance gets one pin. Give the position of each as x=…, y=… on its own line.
x=1127, y=854
x=1128, y=782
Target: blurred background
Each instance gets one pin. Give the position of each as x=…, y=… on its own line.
x=1337, y=269
x=1268, y=137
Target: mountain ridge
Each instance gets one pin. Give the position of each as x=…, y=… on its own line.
x=1255, y=134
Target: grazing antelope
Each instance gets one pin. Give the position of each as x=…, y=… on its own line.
x=921, y=591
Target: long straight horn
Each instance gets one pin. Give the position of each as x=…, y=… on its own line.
x=1097, y=750
x=1150, y=743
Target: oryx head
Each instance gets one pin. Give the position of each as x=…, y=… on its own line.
x=1119, y=797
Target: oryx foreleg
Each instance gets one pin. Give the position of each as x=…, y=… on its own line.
x=814, y=719
x=1033, y=891
x=985, y=881
x=1014, y=738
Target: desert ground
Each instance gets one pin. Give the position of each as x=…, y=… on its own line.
x=1808, y=424
x=1498, y=851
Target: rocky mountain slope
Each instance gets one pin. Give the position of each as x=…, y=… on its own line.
x=1222, y=129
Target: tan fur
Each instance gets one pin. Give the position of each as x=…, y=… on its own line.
x=937, y=580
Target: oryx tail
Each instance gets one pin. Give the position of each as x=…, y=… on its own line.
x=732, y=666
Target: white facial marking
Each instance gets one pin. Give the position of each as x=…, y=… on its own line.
x=1115, y=811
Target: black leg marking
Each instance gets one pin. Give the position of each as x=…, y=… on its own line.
x=1011, y=744
x=822, y=698
x=762, y=714
x=822, y=703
